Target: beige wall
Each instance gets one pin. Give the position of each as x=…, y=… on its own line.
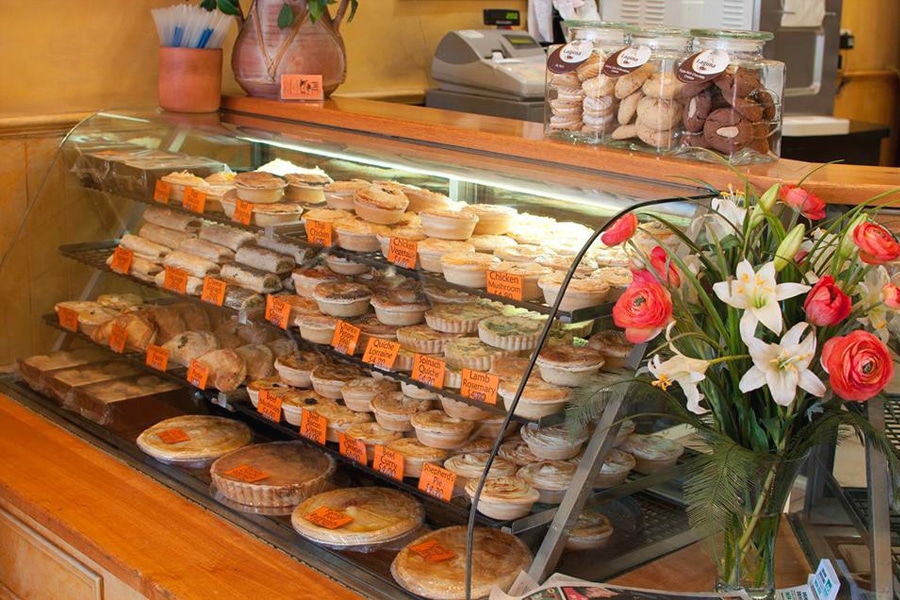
x=60, y=56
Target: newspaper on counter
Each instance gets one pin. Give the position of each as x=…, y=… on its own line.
x=563, y=587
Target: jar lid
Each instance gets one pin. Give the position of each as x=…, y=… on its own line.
x=733, y=34
x=595, y=25
x=660, y=32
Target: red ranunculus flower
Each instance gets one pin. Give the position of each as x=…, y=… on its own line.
x=643, y=310
x=876, y=244
x=891, y=295
x=810, y=206
x=858, y=364
x=657, y=271
x=826, y=304
x=620, y=231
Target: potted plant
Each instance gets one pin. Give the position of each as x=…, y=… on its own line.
x=279, y=37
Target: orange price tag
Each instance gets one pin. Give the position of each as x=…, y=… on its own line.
x=247, y=473
x=243, y=212
x=117, y=338
x=328, y=518
x=318, y=232
x=381, y=353
x=175, y=435
x=437, y=481
x=176, y=280
x=481, y=386
x=302, y=87
x=313, y=426
x=68, y=319
x=387, y=462
x=213, y=291
x=278, y=312
x=428, y=370
x=161, y=191
x=194, y=200
x=121, y=260
x=197, y=374
x=345, y=337
x=157, y=357
x=432, y=551
x=403, y=252
x=505, y=285
x=352, y=448
x=269, y=405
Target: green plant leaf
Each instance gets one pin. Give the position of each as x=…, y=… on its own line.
x=316, y=9
x=286, y=15
x=230, y=7
x=208, y=4
x=354, y=4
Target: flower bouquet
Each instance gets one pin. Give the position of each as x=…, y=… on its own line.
x=769, y=323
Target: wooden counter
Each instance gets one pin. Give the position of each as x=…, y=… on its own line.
x=835, y=183
x=163, y=546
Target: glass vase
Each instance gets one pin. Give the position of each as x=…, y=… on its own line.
x=745, y=549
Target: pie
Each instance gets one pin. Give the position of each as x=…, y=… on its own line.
x=276, y=474
x=207, y=438
x=377, y=515
x=497, y=558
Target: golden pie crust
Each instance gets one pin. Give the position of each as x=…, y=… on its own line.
x=209, y=438
x=295, y=472
x=497, y=558
x=379, y=515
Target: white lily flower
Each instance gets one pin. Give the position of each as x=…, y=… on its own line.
x=758, y=295
x=726, y=217
x=876, y=314
x=783, y=367
x=686, y=372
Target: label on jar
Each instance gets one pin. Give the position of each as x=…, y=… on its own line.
x=626, y=60
x=566, y=58
x=703, y=66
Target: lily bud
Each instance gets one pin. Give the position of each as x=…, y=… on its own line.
x=789, y=246
x=848, y=246
x=764, y=205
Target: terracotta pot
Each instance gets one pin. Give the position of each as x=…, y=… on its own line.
x=190, y=79
x=263, y=52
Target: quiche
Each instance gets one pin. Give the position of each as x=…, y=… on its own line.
x=434, y=565
x=365, y=516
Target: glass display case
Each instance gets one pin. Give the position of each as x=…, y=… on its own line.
x=148, y=229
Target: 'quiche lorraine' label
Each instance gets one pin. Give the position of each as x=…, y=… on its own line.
x=381, y=353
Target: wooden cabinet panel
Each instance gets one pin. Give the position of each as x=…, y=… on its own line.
x=32, y=568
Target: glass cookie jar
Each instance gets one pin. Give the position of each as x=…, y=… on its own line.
x=648, y=116
x=733, y=98
x=579, y=101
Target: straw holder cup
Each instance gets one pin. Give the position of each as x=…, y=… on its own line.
x=190, y=79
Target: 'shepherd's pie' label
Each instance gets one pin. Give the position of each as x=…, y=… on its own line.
x=437, y=481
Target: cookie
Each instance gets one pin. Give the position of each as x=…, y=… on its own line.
x=565, y=108
x=564, y=80
x=628, y=108
x=738, y=83
x=628, y=84
x=661, y=139
x=760, y=142
x=573, y=95
x=726, y=131
x=601, y=105
x=694, y=140
x=695, y=112
x=602, y=121
x=565, y=123
x=749, y=109
x=589, y=68
x=767, y=101
x=691, y=89
x=624, y=132
x=598, y=86
x=658, y=114
x=662, y=85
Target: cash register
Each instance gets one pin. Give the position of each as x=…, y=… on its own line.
x=497, y=72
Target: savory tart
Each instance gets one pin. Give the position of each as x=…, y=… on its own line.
x=472, y=353
x=415, y=454
x=437, y=429
x=552, y=478
x=493, y=219
x=193, y=439
x=592, y=530
x=582, y=291
x=431, y=250
x=339, y=194
x=459, y=317
x=503, y=497
x=553, y=443
x=381, y=203
x=517, y=452
x=423, y=339
x=372, y=515
x=568, y=365
x=651, y=452
x=359, y=392
x=464, y=410
x=473, y=466
x=294, y=368
x=357, y=235
x=276, y=474
x=615, y=469
x=497, y=559
x=538, y=399
x=342, y=298
x=612, y=346
x=393, y=410
x=511, y=333
x=468, y=268
x=448, y=224
x=328, y=379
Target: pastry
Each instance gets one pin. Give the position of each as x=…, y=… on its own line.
x=339, y=194
x=299, y=252
x=553, y=443
x=463, y=410
x=261, y=282
x=538, y=399
x=467, y=268
x=144, y=248
x=511, y=273
x=163, y=235
x=423, y=339
x=415, y=454
x=496, y=559
x=62, y=383
x=651, y=452
x=179, y=182
x=306, y=187
x=358, y=235
x=34, y=368
x=171, y=219
x=459, y=317
x=226, y=236
x=431, y=250
x=511, y=333
x=345, y=266
x=472, y=353
x=306, y=279
x=612, y=346
x=568, y=365
x=393, y=410
x=615, y=469
x=206, y=250
x=265, y=259
x=190, y=264
x=382, y=203
x=342, y=298
x=318, y=329
x=592, y=530
x=504, y=497
x=189, y=345
x=374, y=515
x=200, y=439
x=227, y=370
x=517, y=452
x=437, y=429
x=472, y=467
x=283, y=474
x=551, y=478
x=328, y=379
x=421, y=199
x=259, y=187
x=401, y=305
x=582, y=292
x=448, y=224
x=489, y=243
x=259, y=358
x=273, y=386
x=493, y=219
x=294, y=368
x=372, y=434
x=359, y=392
x=340, y=419
x=294, y=402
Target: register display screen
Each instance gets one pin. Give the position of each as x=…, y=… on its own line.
x=521, y=41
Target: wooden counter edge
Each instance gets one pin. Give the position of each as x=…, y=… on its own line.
x=835, y=183
x=157, y=542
